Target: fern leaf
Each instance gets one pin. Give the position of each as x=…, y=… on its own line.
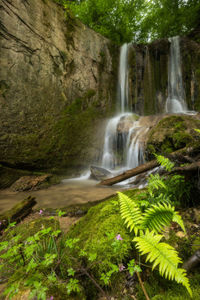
x=155, y=183
x=158, y=216
x=177, y=218
x=164, y=162
x=131, y=212
x=162, y=255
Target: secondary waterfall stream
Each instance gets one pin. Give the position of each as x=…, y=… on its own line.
x=176, y=95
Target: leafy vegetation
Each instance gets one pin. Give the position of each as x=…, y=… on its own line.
x=140, y=21
x=150, y=219
x=96, y=255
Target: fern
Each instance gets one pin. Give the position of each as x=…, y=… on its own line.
x=177, y=218
x=163, y=255
x=131, y=212
x=164, y=162
x=158, y=216
x=155, y=183
x=197, y=130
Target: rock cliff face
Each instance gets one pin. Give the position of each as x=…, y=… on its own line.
x=57, y=82
x=149, y=77
x=190, y=48
x=148, y=74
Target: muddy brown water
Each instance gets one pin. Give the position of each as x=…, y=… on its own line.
x=61, y=195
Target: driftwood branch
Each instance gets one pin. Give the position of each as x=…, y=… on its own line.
x=17, y=213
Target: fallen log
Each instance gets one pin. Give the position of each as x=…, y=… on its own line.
x=130, y=173
x=191, y=168
x=17, y=213
x=185, y=153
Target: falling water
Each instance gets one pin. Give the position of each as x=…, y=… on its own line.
x=110, y=144
x=123, y=78
x=175, y=101
x=123, y=148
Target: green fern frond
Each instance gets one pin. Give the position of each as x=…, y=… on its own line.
x=158, y=216
x=177, y=218
x=197, y=130
x=162, y=255
x=164, y=162
x=155, y=183
x=131, y=212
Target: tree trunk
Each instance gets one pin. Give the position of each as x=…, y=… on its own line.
x=182, y=154
x=130, y=173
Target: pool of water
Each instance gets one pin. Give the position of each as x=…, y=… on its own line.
x=68, y=192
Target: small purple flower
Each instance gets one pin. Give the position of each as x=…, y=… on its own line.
x=121, y=267
x=51, y=298
x=40, y=213
x=118, y=237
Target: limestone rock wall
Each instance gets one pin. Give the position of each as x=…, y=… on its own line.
x=148, y=78
x=57, y=83
x=190, y=50
x=148, y=74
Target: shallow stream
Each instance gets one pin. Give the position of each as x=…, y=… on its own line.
x=61, y=195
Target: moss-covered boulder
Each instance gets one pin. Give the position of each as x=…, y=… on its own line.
x=172, y=133
x=97, y=235
x=27, y=229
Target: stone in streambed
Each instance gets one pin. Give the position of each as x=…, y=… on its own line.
x=99, y=173
x=26, y=183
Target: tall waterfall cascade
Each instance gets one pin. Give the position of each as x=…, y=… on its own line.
x=176, y=95
x=123, y=145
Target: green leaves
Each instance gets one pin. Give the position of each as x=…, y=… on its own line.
x=115, y=19
x=131, y=212
x=73, y=286
x=158, y=216
x=147, y=220
x=164, y=162
x=155, y=217
x=132, y=267
x=162, y=255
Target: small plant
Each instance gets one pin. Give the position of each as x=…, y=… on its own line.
x=47, y=260
x=148, y=219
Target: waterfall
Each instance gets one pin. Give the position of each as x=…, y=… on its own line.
x=123, y=78
x=175, y=101
x=123, y=148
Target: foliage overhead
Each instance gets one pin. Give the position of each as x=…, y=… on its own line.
x=136, y=20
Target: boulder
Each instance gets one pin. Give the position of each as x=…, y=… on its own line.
x=27, y=183
x=99, y=173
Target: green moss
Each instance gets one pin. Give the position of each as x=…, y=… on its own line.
x=97, y=231
x=3, y=87
x=9, y=175
x=30, y=228
x=172, y=133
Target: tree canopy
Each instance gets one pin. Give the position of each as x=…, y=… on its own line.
x=137, y=20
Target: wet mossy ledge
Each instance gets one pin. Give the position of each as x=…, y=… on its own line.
x=173, y=133
x=61, y=144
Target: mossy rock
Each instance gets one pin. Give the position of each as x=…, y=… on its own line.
x=30, y=228
x=172, y=133
x=97, y=233
x=158, y=288
x=9, y=175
